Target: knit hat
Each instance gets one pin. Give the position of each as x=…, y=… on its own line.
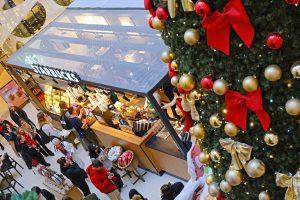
x=166, y=189
x=56, y=141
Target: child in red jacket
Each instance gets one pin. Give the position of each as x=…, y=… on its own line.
x=103, y=180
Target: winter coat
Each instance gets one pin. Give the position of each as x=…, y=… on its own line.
x=74, y=173
x=18, y=115
x=100, y=179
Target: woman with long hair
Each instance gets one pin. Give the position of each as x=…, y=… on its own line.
x=47, y=127
x=75, y=174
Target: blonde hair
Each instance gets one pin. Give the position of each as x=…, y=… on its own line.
x=41, y=119
x=136, y=197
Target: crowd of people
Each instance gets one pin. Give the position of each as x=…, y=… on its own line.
x=29, y=142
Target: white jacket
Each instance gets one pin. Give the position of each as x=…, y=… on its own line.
x=71, y=151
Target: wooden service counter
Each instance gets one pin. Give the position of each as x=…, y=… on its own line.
x=154, y=154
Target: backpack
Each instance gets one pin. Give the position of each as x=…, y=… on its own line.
x=65, y=123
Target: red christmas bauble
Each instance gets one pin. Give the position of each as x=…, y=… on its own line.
x=291, y=2
x=274, y=41
x=207, y=82
x=202, y=8
x=150, y=22
x=172, y=73
x=161, y=13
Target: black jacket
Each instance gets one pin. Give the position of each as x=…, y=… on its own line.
x=73, y=172
x=47, y=195
x=21, y=114
x=176, y=188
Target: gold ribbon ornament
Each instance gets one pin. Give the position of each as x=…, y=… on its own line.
x=188, y=105
x=187, y=6
x=240, y=153
x=292, y=183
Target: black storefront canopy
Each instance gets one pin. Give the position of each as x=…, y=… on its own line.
x=113, y=48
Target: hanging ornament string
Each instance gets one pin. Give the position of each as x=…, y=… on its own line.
x=217, y=26
x=237, y=104
x=148, y=5
x=291, y=182
x=240, y=153
x=188, y=105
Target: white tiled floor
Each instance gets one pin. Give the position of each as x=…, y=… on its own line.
x=149, y=189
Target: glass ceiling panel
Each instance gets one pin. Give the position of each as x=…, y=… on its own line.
x=114, y=48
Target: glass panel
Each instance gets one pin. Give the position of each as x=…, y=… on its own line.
x=102, y=47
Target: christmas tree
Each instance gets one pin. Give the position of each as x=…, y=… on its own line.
x=242, y=57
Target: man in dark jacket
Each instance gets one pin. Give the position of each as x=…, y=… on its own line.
x=17, y=114
x=45, y=193
x=75, y=174
x=171, y=191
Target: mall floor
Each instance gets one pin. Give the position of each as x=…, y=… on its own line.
x=150, y=189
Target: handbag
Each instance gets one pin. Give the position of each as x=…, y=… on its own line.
x=45, y=138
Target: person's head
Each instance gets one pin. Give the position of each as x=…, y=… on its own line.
x=12, y=108
x=176, y=92
x=134, y=194
x=20, y=139
x=57, y=143
x=64, y=162
x=23, y=122
x=97, y=164
x=136, y=197
x=36, y=189
x=63, y=105
x=21, y=131
x=42, y=118
x=72, y=111
x=166, y=189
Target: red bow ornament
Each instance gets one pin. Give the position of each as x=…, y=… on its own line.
x=237, y=104
x=148, y=5
x=218, y=24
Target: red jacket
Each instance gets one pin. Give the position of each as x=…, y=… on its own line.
x=100, y=180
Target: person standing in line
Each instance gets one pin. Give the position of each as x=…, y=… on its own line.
x=47, y=127
x=87, y=135
x=102, y=180
x=34, y=133
x=66, y=149
x=30, y=153
x=43, y=194
x=17, y=114
x=135, y=195
x=8, y=131
x=75, y=174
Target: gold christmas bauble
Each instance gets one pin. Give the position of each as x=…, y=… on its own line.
x=271, y=139
x=174, y=65
x=215, y=155
x=225, y=186
x=264, y=195
x=204, y=157
x=198, y=131
x=209, y=179
x=233, y=177
x=158, y=24
x=292, y=107
x=220, y=87
x=191, y=36
x=166, y=56
x=187, y=82
x=250, y=83
x=213, y=190
x=295, y=69
x=215, y=121
x=196, y=94
x=174, y=81
x=273, y=73
x=255, y=168
x=231, y=129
